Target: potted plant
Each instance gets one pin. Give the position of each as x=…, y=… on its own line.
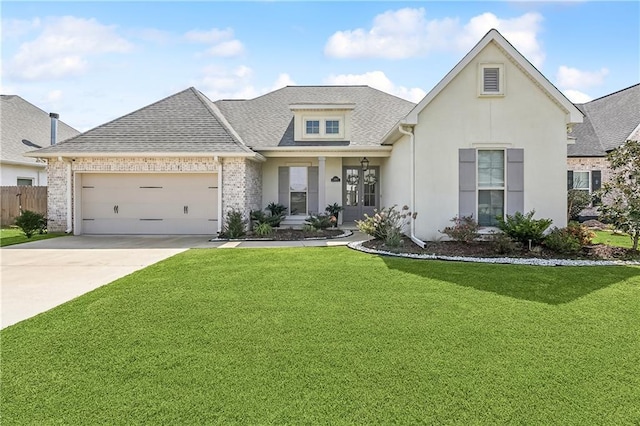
x=334, y=210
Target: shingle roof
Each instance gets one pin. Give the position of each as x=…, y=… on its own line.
x=186, y=122
x=608, y=122
x=21, y=120
x=267, y=121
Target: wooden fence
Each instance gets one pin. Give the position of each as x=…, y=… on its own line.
x=14, y=198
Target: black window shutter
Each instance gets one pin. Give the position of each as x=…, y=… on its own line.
x=596, y=184
x=569, y=179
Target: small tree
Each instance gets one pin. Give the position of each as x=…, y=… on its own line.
x=621, y=194
x=31, y=222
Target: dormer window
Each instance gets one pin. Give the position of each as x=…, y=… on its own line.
x=491, y=80
x=313, y=127
x=332, y=127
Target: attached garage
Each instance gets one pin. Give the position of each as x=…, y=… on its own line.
x=149, y=203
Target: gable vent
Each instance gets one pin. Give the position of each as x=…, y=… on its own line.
x=491, y=82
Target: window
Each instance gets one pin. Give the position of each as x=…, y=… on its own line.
x=25, y=182
x=587, y=180
x=581, y=181
x=313, y=127
x=491, y=186
x=332, y=127
x=491, y=78
x=298, y=189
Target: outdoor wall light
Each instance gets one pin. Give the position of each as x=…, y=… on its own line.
x=364, y=163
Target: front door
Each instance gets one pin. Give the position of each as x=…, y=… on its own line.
x=360, y=192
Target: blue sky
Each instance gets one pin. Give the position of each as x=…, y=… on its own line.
x=95, y=61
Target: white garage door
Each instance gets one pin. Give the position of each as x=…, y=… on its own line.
x=148, y=204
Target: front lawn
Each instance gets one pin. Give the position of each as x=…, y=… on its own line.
x=10, y=236
x=332, y=336
x=613, y=239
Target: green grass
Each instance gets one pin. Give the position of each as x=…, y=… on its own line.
x=11, y=236
x=609, y=238
x=332, y=336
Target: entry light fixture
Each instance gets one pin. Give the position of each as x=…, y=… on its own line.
x=364, y=163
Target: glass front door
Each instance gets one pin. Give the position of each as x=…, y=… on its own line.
x=360, y=192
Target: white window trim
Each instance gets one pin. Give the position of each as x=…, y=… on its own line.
x=323, y=127
x=588, y=172
x=501, y=80
x=502, y=188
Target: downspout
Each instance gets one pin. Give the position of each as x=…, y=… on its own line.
x=69, y=199
x=216, y=159
x=412, y=225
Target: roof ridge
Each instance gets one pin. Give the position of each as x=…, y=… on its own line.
x=611, y=94
x=216, y=113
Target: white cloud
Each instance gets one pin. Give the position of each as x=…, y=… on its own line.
x=19, y=27
x=223, y=43
x=63, y=48
x=283, y=80
x=219, y=82
x=378, y=80
x=573, y=78
x=407, y=32
x=54, y=95
x=576, y=96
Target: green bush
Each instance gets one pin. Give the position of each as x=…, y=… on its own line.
x=524, y=228
x=464, y=229
x=583, y=234
x=394, y=238
x=31, y=222
x=320, y=221
x=561, y=240
x=235, y=225
x=384, y=221
x=334, y=210
x=263, y=229
x=577, y=200
x=273, y=219
x=501, y=243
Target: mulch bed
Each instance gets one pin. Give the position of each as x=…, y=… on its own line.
x=486, y=249
x=288, y=234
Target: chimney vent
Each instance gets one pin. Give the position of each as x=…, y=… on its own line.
x=54, y=127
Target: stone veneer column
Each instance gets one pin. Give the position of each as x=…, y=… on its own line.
x=241, y=185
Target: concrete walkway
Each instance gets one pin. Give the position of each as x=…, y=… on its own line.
x=41, y=275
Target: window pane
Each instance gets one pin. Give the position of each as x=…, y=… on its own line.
x=370, y=182
x=490, y=205
x=313, y=127
x=298, y=203
x=581, y=180
x=298, y=179
x=491, y=169
x=25, y=182
x=332, y=127
x=351, y=187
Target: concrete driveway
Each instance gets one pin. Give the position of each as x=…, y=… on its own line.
x=40, y=275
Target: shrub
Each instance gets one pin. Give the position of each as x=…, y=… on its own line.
x=308, y=228
x=382, y=222
x=334, y=210
x=235, y=225
x=524, y=228
x=263, y=229
x=464, y=229
x=577, y=200
x=394, y=238
x=320, y=221
x=501, y=243
x=561, y=241
x=31, y=222
x=273, y=219
x=581, y=232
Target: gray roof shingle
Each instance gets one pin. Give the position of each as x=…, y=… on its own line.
x=608, y=122
x=21, y=120
x=267, y=121
x=186, y=122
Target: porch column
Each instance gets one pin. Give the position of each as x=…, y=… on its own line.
x=322, y=184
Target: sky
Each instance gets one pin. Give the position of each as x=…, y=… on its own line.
x=92, y=62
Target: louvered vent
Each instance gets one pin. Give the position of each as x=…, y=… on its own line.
x=491, y=80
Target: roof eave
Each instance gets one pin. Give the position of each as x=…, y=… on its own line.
x=165, y=154
x=23, y=163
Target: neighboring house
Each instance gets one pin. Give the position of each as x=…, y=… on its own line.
x=609, y=121
x=489, y=139
x=25, y=127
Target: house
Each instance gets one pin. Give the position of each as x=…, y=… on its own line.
x=609, y=121
x=25, y=127
x=489, y=139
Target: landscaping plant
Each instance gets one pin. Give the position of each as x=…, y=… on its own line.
x=561, y=240
x=386, y=222
x=334, y=210
x=31, y=222
x=523, y=227
x=621, y=195
x=263, y=229
x=464, y=229
x=235, y=225
x=320, y=221
x=577, y=200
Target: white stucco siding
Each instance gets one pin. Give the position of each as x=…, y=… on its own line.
x=9, y=174
x=525, y=117
x=396, y=175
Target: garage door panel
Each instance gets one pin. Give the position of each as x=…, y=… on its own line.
x=149, y=203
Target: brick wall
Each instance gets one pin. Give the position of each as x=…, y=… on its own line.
x=583, y=164
x=241, y=188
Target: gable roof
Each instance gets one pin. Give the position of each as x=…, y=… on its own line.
x=493, y=36
x=22, y=120
x=183, y=124
x=267, y=121
x=608, y=122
